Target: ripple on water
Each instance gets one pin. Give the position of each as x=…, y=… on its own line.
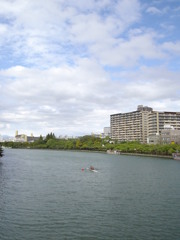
x=45, y=195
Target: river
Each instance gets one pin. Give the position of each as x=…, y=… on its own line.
x=45, y=195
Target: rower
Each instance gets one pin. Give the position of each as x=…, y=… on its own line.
x=91, y=168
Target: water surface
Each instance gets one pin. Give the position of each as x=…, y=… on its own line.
x=45, y=195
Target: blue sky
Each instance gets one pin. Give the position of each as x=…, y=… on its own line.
x=66, y=65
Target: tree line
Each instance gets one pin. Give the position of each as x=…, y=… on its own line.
x=92, y=143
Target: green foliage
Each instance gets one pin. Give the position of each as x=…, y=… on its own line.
x=92, y=143
x=135, y=147
x=50, y=136
x=41, y=140
x=16, y=144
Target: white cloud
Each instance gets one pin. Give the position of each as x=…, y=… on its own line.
x=67, y=65
x=80, y=98
x=153, y=10
x=153, y=84
x=59, y=96
x=41, y=29
x=50, y=33
x=172, y=47
x=3, y=29
x=128, y=52
x=156, y=11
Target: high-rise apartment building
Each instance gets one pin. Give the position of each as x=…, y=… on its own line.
x=142, y=124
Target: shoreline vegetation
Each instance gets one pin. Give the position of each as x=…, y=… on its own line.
x=95, y=144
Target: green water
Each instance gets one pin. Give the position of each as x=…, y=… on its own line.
x=45, y=195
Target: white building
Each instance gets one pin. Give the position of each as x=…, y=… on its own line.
x=143, y=125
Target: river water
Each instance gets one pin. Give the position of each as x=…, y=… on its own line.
x=45, y=195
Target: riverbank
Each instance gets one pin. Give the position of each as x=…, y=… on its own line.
x=93, y=144
x=115, y=152
x=101, y=151
x=147, y=155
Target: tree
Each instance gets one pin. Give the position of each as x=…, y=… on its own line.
x=50, y=136
x=78, y=144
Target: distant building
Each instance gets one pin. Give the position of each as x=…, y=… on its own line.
x=143, y=125
x=24, y=138
x=107, y=132
x=98, y=135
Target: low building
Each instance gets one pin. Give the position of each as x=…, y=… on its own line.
x=154, y=139
x=20, y=138
x=24, y=138
x=166, y=136
x=169, y=135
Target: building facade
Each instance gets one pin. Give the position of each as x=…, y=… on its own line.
x=107, y=132
x=24, y=138
x=169, y=135
x=143, y=125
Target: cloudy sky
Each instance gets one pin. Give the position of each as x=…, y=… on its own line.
x=67, y=65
